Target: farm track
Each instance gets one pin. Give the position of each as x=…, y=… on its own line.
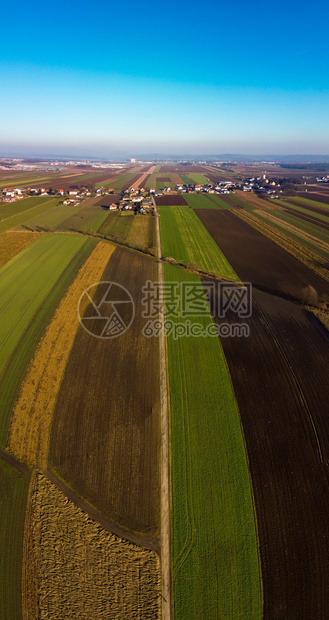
x=143, y=178
x=165, y=450
x=14, y=463
x=143, y=541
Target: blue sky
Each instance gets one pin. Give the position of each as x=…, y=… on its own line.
x=215, y=77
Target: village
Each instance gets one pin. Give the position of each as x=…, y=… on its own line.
x=140, y=199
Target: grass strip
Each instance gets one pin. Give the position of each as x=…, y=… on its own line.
x=215, y=564
x=29, y=430
x=32, y=285
x=185, y=238
x=14, y=490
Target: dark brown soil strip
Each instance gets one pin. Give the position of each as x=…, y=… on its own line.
x=280, y=378
x=317, y=197
x=259, y=260
x=105, y=434
x=308, y=218
x=324, y=211
x=170, y=200
x=143, y=183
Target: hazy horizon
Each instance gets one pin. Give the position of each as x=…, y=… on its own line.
x=113, y=78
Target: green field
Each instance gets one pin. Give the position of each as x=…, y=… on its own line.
x=318, y=216
x=123, y=179
x=13, y=208
x=14, y=490
x=307, y=201
x=117, y=225
x=215, y=564
x=206, y=201
x=194, y=178
x=85, y=217
x=184, y=238
x=24, y=181
x=294, y=235
x=31, y=286
x=308, y=227
x=41, y=206
x=136, y=231
x=49, y=220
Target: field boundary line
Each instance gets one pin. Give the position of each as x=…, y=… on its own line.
x=10, y=459
x=111, y=526
x=296, y=249
x=165, y=451
x=6, y=219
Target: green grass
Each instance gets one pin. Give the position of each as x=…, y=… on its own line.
x=281, y=227
x=117, y=225
x=307, y=201
x=121, y=180
x=14, y=490
x=77, y=217
x=195, y=178
x=42, y=206
x=308, y=227
x=151, y=181
x=184, y=238
x=31, y=286
x=205, y=201
x=24, y=181
x=13, y=208
x=215, y=564
x=318, y=216
x=50, y=219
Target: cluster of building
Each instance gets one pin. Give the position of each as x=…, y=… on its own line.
x=263, y=185
x=9, y=194
x=137, y=200
x=322, y=179
x=223, y=187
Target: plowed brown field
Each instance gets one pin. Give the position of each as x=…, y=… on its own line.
x=170, y=200
x=314, y=196
x=299, y=203
x=105, y=433
x=280, y=378
x=260, y=260
x=308, y=218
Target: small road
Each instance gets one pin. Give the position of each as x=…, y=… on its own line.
x=165, y=451
x=138, y=539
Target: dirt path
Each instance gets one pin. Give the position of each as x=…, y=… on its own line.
x=165, y=475
x=142, y=178
x=14, y=463
x=143, y=541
